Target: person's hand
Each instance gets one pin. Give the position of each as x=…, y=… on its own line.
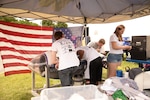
x=98, y=50
x=130, y=47
x=126, y=47
x=57, y=65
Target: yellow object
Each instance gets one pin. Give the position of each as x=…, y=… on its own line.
x=83, y=42
x=119, y=68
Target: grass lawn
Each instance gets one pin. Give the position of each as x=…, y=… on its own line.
x=18, y=87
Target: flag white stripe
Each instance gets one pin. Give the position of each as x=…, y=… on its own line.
x=25, y=39
x=18, y=54
x=5, y=61
x=24, y=47
x=16, y=68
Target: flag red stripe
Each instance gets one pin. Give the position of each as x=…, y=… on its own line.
x=19, y=47
x=23, y=34
x=18, y=72
x=16, y=57
x=15, y=64
x=22, y=51
x=25, y=43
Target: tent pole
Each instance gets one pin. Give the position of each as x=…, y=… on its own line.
x=85, y=30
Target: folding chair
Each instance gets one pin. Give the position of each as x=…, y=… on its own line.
x=40, y=65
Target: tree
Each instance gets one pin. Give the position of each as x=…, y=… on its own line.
x=48, y=23
x=54, y=24
x=14, y=20
x=27, y=22
x=8, y=19
x=61, y=25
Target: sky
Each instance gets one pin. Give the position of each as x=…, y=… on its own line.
x=134, y=27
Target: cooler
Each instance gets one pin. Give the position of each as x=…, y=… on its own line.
x=140, y=47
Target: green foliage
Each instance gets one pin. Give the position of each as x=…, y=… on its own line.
x=14, y=20
x=27, y=22
x=61, y=25
x=8, y=19
x=48, y=23
x=54, y=24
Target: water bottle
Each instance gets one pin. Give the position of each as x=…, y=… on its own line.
x=126, y=73
x=119, y=72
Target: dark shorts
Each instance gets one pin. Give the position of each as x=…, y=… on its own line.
x=114, y=58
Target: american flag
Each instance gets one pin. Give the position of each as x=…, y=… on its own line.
x=21, y=43
x=73, y=33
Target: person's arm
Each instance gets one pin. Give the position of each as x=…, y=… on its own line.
x=90, y=44
x=80, y=54
x=54, y=58
x=117, y=47
x=102, y=50
x=98, y=50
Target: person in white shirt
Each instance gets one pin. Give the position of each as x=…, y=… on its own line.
x=114, y=57
x=68, y=60
x=94, y=63
x=99, y=46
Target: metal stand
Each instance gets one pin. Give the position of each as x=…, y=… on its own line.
x=35, y=92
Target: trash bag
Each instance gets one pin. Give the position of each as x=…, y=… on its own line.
x=133, y=72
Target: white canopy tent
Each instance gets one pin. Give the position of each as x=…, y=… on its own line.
x=76, y=11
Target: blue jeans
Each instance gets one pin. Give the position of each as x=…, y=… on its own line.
x=65, y=76
x=114, y=58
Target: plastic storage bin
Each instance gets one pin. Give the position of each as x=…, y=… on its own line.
x=84, y=92
x=35, y=98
